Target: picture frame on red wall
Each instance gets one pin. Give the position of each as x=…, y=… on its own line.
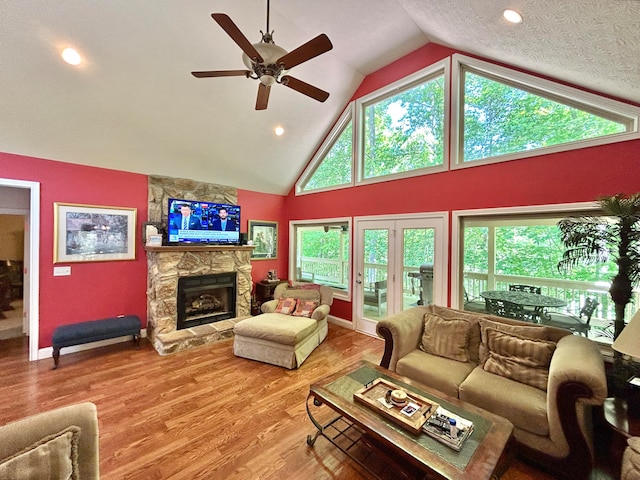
x=264, y=235
x=92, y=233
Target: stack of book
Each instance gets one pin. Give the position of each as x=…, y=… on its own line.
x=438, y=426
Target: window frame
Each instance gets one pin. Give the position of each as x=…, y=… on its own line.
x=293, y=245
x=325, y=148
x=440, y=68
x=555, y=91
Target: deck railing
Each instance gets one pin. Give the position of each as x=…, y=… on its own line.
x=336, y=273
x=572, y=292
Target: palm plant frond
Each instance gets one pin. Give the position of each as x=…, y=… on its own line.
x=590, y=240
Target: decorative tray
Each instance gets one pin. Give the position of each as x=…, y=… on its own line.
x=412, y=415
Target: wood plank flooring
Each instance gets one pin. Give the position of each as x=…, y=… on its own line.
x=198, y=414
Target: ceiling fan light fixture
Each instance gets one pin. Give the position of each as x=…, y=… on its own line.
x=267, y=80
x=270, y=53
x=512, y=16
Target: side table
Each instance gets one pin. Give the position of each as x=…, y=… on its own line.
x=264, y=291
x=618, y=418
x=623, y=425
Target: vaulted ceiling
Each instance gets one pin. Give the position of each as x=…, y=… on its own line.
x=133, y=105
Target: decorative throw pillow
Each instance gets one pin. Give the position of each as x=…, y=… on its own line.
x=533, y=332
x=445, y=338
x=286, y=305
x=53, y=457
x=304, y=285
x=305, y=308
x=473, y=341
x=302, y=294
x=521, y=359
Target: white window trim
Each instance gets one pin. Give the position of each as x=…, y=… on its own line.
x=457, y=217
x=421, y=76
x=572, y=96
x=325, y=148
x=339, y=294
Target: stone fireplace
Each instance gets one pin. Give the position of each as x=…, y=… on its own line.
x=170, y=266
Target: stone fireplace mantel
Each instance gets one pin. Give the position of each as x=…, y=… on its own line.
x=166, y=265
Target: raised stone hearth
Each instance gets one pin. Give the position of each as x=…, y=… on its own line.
x=165, y=266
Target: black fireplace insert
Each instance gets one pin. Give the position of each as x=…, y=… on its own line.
x=206, y=299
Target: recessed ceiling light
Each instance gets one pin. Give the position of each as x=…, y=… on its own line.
x=279, y=130
x=71, y=56
x=512, y=16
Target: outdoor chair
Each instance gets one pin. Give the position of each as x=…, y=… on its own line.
x=575, y=323
x=473, y=305
x=532, y=313
x=505, y=309
x=301, y=276
x=376, y=294
x=525, y=288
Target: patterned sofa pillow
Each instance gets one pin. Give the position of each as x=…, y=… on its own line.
x=286, y=305
x=302, y=294
x=534, y=332
x=305, y=308
x=521, y=359
x=446, y=338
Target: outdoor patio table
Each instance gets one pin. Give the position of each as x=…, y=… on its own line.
x=526, y=299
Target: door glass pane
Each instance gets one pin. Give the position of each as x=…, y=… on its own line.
x=417, y=266
x=374, y=282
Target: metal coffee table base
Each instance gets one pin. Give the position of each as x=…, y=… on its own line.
x=360, y=447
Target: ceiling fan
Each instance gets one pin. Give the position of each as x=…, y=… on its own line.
x=269, y=63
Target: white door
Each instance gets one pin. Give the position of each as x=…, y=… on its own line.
x=400, y=262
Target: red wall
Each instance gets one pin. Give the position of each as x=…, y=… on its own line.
x=94, y=289
x=104, y=289
x=575, y=176
x=263, y=206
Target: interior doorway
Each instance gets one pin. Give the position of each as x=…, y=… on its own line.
x=12, y=239
x=21, y=197
x=399, y=262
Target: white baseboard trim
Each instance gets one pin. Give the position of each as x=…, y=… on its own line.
x=340, y=321
x=47, y=352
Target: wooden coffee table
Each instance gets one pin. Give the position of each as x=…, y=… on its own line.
x=384, y=447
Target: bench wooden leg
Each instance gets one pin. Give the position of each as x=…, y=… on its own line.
x=136, y=339
x=56, y=357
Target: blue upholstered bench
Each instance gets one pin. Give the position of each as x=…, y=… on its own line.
x=94, y=331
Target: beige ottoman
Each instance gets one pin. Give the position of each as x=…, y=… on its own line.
x=278, y=339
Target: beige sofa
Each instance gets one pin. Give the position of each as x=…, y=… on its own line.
x=631, y=460
x=542, y=379
x=61, y=443
x=280, y=339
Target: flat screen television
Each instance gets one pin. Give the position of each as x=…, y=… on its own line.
x=198, y=222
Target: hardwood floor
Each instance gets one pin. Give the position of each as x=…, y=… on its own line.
x=198, y=414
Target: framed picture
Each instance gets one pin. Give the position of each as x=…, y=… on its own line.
x=264, y=236
x=90, y=233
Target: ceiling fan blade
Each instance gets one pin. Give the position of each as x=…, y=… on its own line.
x=263, y=96
x=237, y=36
x=222, y=73
x=313, y=48
x=305, y=88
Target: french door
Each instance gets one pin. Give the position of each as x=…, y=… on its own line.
x=399, y=262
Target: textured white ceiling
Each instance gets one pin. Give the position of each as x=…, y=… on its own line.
x=134, y=106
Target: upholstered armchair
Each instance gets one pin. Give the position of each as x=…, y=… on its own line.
x=61, y=443
x=290, y=327
x=631, y=460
